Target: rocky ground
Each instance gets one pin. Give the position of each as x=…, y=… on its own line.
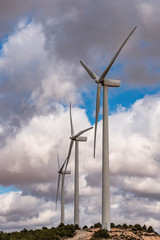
x=117, y=234
x=128, y=234
x=82, y=235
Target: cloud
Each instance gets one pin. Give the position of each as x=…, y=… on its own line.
x=93, y=31
x=40, y=74
x=26, y=214
x=134, y=164
x=31, y=155
x=31, y=81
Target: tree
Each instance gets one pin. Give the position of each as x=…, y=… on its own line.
x=150, y=229
x=76, y=227
x=119, y=226
x=144, y=228
x=97, y=225
x=112, y=225
x=125, y=226
x=85, y=227
x=138, y=227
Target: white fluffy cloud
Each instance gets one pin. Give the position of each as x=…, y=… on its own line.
x=19, y=211
x=29, y=161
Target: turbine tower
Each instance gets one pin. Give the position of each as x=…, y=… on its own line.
x=101, y=81
x=76, y=138
x=61, y=173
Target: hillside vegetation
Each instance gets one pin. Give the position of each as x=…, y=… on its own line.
x=41, y=234
x=131, y=232
x=119, y=232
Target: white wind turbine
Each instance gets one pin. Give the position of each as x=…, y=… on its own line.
x=76, y=138
x=61, y=173
x=101, y=81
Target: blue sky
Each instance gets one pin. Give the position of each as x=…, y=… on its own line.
x=7, y=189
x=40, y=74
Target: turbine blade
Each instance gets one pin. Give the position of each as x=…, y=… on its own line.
x=69, y=154
x=92, y=74
x=58, y=162
x=98, y=98
x=60, y=171
x=115, y=56
x=59, y=176
x=72, y=129
x=81, y=132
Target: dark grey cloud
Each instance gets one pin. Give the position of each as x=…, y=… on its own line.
x=91, y=31
x=94, y=179
x=10, y=12
x=94, y=30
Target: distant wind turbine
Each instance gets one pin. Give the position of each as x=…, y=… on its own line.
x=61, y=173
x=101, y=81
x=76, y=138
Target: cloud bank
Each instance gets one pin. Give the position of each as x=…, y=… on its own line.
x=40, y=48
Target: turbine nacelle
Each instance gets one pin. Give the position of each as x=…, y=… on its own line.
x=66, y=172
x=79, y=139
x=111, y=82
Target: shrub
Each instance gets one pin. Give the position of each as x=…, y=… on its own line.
x=76, y=227
x=150, y=229
x=97, y=225
x=119, y=226
x=138, y=227
x=102, y=233
x=130, y=226
x=112, y=225
x=44, y=228
x=144, y=228
x=125, y=226
x=85, y=227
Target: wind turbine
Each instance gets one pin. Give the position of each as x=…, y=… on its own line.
x=61, y=173
x=76, y=138
x=101, y=81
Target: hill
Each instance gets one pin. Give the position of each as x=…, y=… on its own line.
x=72, y=232
x=135, y=232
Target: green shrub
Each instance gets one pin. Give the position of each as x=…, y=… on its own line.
x=125, y=226
x=112, y=225
x=97, y=225
x=130, y=226
x=85, y=227
x=138, y=227
x=144, y=228
x=150, y=229
x=119, y=226
x=102, y=233
x=76, y=227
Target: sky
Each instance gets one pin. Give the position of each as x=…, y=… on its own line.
x=41, y=45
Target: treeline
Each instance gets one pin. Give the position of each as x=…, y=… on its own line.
x=41, y=234
x=102, y=233
x=136, y=227
x=64, y=231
